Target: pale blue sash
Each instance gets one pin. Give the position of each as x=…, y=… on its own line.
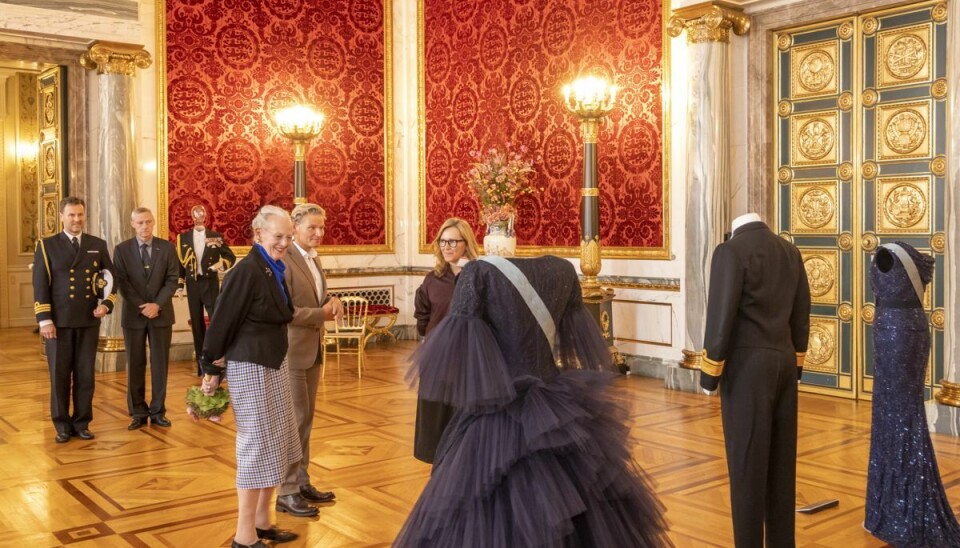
x=910, y=267
x=530, y=296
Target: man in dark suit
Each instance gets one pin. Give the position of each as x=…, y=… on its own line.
x=70, y=270
x=147, y=273
x=203, y=255
x=758, y=322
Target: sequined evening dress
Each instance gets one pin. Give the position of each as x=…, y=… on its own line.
x=906, y=503
x=536, y=454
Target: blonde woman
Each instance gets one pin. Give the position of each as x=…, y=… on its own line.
x=454, y=245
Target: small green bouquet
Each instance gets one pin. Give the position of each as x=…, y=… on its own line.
x=201, y=406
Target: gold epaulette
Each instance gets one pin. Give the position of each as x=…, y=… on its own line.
x=184, y=259
x=801, y=356
x=39, y=308
x=711, y=367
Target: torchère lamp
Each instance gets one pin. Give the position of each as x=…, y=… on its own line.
x=300, y=124
x=590, y=99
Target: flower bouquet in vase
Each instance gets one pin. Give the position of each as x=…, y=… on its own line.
x=498, y=177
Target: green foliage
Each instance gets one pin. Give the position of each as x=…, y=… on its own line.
x=207, y=406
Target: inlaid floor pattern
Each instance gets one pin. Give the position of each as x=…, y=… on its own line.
x=175, y=487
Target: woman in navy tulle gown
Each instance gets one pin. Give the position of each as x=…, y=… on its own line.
x=906, y=503
x=536, y=454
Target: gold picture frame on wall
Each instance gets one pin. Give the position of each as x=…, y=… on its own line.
x=163, y=221
x=662, y=252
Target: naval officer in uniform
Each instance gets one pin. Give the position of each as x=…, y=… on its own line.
x=68, y=275
x=758, y=322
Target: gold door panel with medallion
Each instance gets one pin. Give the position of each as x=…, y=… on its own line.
x=814, y=194
x=53, y=156
x=904, y=136
x=860, y=158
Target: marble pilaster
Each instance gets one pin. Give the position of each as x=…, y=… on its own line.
x=113, y=193
x=708, y=192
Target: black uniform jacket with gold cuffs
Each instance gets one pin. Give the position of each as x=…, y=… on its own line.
x=67, y=284
x=759, y=298
x=214, y=250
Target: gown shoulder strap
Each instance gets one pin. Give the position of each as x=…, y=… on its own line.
x=910, y=267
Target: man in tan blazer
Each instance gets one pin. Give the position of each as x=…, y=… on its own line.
x=311, y=307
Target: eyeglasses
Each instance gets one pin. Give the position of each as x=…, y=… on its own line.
x=449, y=243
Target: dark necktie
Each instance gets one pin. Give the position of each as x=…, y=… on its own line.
x=76, y=244
x=145, y=258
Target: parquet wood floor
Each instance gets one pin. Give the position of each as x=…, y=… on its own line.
x=175, y=487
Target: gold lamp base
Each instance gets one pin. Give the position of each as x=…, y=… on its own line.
x=949, y=393
x=691, y=359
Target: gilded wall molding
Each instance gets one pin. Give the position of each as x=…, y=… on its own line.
x=709, y=22
x=115, y=58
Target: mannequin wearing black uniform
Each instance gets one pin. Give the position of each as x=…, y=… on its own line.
x=203, y=255
x=758, y=322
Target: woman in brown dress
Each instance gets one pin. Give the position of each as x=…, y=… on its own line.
x=454, y=245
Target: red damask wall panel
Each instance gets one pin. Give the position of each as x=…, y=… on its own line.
x=232, y=64
x=493, y=73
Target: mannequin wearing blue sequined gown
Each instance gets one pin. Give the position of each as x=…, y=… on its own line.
x=536, y=454
x=906, y=503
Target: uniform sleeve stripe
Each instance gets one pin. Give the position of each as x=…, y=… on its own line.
x=711, y=367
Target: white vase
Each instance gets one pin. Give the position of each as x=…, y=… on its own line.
x=500, y=239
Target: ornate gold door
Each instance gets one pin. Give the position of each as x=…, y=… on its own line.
x=860, y=144
x=52, y=148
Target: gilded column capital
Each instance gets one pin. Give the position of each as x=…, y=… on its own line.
x=115, y=58
x=709, y=22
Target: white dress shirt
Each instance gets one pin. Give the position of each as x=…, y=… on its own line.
x=199, y=243
x=70, y=237
x=311, y=258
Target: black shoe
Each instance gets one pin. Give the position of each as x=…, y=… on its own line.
x=311, y=494
x=257, y=544
x=276, y=534
x=295, y=506
x=62, y=437
x=160, y=420
x=85, y=434
x=137, y=422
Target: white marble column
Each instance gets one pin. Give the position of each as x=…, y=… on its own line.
x=945, y=415
x=708, y=190
x=113, y=193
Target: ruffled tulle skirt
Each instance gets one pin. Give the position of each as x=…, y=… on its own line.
x=549, y=468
